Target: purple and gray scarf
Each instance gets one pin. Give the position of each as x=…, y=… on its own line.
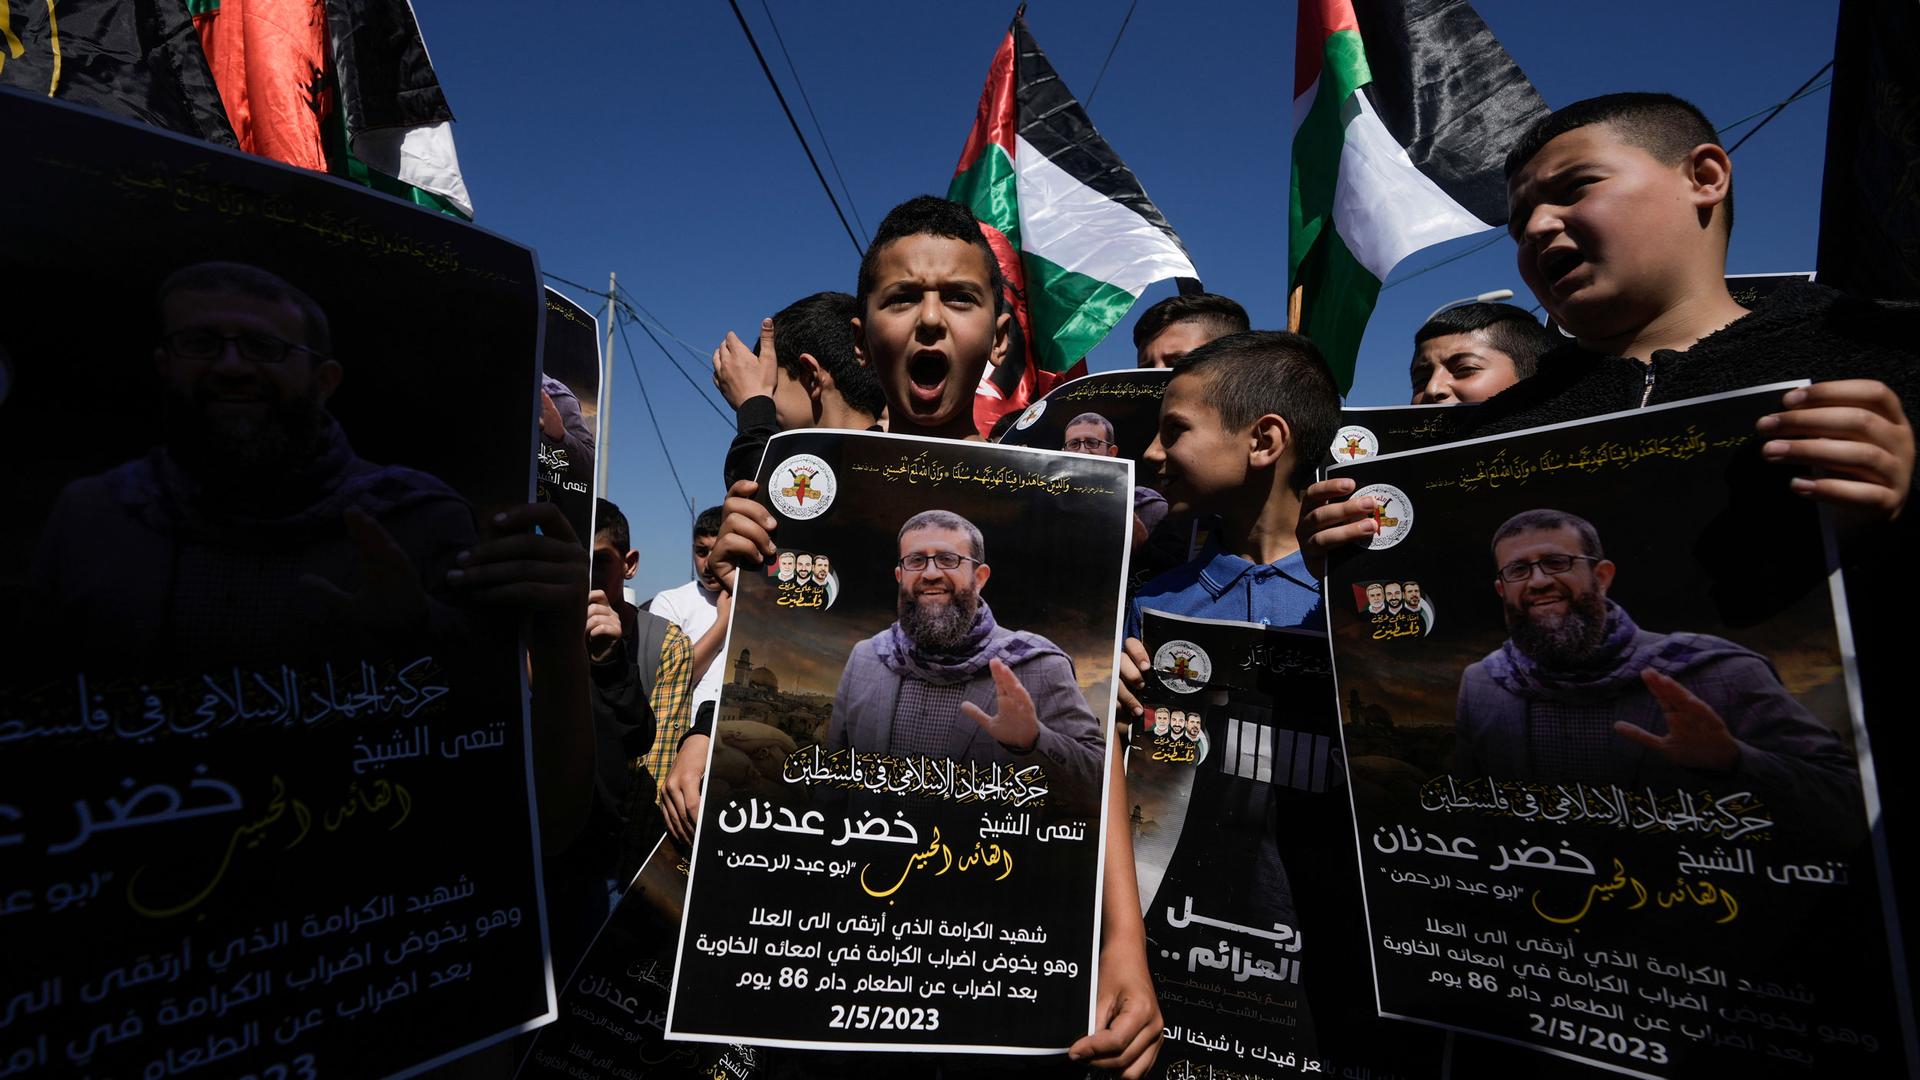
x=986, y=641
x=1614, y=667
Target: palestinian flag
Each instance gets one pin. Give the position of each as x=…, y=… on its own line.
x=1403, y=112
x=1076, y=234
x=340, y=86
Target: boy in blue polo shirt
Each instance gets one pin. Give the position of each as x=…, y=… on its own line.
x=1244, y=424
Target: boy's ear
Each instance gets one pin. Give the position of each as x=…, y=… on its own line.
x=814, y=378
x=1002, y=337
x=1710, y=171
x=860, y=344
x=1269, y=441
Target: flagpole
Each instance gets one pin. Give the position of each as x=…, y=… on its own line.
x=600, y=451
x=1293, y=308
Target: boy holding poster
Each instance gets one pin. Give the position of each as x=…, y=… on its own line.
x=1622, y=208
x=930, y=322
x=1242, y=428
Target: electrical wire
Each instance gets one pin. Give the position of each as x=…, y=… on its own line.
x=1807, y=89
x=724, y=418
x=658, y=432
x=1088, y=104
x=826, y=146
x=627, y=305
x=858, y=247
x=1790, y=99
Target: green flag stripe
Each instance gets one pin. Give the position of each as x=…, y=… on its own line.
x=1317, y=144
x=991, y=190
x=342, y=162
x=1071, y=312
x=1343, y=297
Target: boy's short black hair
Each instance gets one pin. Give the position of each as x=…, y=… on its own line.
x=609, y=522
x=1664, y=126
x=821, y=326
x=931, y=215
x=1507, y=328
x=708, y=523
x=1271, y=371
x=1222, y=314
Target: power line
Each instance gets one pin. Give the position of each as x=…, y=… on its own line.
x=1806, y=89
x=676, y=366
x=573, y=284
x=1482, y=246
x=657, y=431
x=808, y=102
x=1088, y=104
x=1790, y=99
x=635, y=310
x=858, y=247
x=628, y=305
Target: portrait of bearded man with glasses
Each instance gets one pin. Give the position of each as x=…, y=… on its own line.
x=946, y=680
x=1578, y=693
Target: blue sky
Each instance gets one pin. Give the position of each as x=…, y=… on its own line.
x=643, y=139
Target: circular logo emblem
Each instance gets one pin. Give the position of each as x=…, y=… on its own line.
x=1354, y=443
x=1031, y=416
x=1394, y=516
x=1183, y=667
x=802, y=487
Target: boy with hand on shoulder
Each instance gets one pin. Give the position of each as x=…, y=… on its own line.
x=1244, y=424
x=930, y=319
x=803, y=374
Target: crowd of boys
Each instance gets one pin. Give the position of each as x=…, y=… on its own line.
x=1621, y=210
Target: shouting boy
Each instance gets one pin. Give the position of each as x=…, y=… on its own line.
x=930, y=321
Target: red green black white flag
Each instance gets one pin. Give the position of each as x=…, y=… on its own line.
x=1403, y=113
x=1077, y=236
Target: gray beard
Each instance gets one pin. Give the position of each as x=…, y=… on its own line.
x=1567, y=642
x=942, y=628
x=228, y=455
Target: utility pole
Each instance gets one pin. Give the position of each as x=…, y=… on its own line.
x=602, y=449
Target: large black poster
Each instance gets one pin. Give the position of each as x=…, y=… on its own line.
x=265, y=796
x=900, y=844
x=1243, y=840
x=1612, y=792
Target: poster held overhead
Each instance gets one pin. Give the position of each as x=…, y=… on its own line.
x=265, y=780
x=1612, y=789
x=901, y=840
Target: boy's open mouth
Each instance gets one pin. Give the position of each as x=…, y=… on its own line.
x=1556, y=265
x=927, y=372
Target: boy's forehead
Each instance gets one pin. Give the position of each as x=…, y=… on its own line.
x=926, y=259
x=1599, y=141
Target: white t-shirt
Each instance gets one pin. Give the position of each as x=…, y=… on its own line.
x=694, y=610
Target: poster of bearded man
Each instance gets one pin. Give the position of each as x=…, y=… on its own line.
x=1615, y=805
x=911, y=858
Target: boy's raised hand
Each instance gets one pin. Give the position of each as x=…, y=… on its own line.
x=746, y=534
x=1330, y=521
x=740, y=372
x=1853, y=430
